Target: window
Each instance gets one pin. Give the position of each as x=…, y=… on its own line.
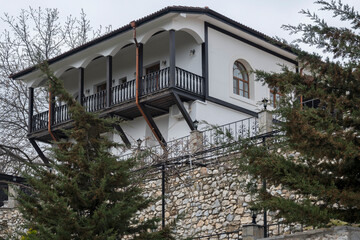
x=274, y=97
x=240, y=80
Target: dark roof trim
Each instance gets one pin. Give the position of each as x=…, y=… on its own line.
x=250, y=43
x=146, y=19
x=11, y=178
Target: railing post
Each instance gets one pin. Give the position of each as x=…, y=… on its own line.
x=81, y=86
x=140, y=67
x=252, y=232
x=172, y=57
x=31, y=109
x=196, y=141
x=108, y=81
x=265, y=122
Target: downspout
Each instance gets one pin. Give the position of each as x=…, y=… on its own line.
x=50, y=116
x=133, y=25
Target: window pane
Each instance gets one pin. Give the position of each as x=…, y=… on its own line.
x=246, y=94
x=246, y=88
x=241, y=87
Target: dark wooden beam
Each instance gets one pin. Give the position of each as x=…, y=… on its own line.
x=38, y=150
x=81, y=85
x=31, y=109
x=183, y=111
x=205, y=62
x=108, y=81
x=140, y=67
x=153, y=125
x=121, y=116
x=123, y=136
x=52, y=105
x=172, y=57
x=156, y=108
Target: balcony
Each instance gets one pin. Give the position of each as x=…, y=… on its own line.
x=155, y=91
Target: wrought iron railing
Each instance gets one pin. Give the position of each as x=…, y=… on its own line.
x=214, y=137
x=231, y=132
x=150, y=83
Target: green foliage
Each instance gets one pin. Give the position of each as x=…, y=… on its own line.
x=86, y=193
x=317, y=159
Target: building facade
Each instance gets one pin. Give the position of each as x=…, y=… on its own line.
x=192, y=64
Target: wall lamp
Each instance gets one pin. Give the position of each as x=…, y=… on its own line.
x=192, y=52
x=196, y=124
x=265, y=102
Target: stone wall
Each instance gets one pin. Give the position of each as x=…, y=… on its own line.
x=10, y=221
x=206, y=200
x=335, y=233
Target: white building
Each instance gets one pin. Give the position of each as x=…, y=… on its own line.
x=193, y=64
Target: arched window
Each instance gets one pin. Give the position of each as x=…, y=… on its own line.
x=240, y=80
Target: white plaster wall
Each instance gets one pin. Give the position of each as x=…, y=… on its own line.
x=223, y=52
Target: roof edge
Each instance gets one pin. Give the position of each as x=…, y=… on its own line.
x=157, y=14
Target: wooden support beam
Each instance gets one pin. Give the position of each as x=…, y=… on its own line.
x=183, y=111
x=156, y=108
x=108, y=81
x=140, y=67
x=81, y=85
x=123, y=136
x=153, y=125
x=38, y=150
x=172, y=57
x=31, y=109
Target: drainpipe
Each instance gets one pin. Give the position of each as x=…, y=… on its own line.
x=50, y=115
x=133, y=25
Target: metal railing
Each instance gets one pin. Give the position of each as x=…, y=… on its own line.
x=150, y=83
x=230, y=132
x=215, y=137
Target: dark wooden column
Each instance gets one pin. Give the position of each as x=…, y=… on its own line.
x=52, y=109
x=205, y=62
x=140, y=66
x=172, y=57
x=81, y=85
x=31, y=109
x=108, y=81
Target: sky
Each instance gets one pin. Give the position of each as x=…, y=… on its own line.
x=266, y=16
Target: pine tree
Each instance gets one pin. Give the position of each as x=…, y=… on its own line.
x=316, y=156
x=85, y=193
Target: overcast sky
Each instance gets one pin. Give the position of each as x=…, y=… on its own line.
x=266, y=16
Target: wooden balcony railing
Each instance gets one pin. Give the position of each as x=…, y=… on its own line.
x=150, y=84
